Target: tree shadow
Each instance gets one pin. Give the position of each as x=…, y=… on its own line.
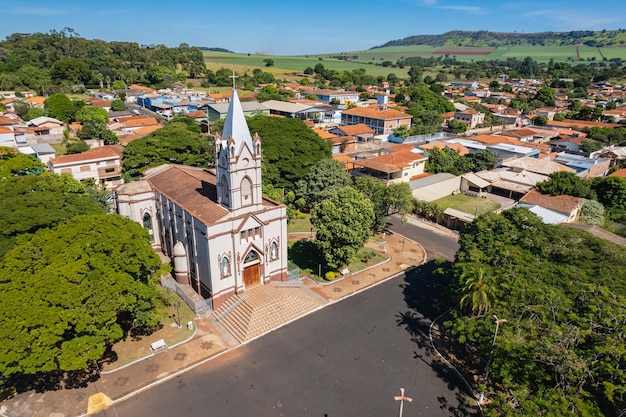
x=306, y=255
x=427, y=297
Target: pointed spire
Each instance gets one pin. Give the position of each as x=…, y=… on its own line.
x=235, y=126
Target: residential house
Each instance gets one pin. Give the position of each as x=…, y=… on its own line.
x=381, y=121
x=7, y=137
x=103, y=164
x=363, y=136
x=585, y=167
x=552, y=209
x=312, y=111
x=615, y=154
x=44, y=125
x=344, y=98
x=217, y=111
x=395, y=167
x=36, y=102
x=137, y=122
x=542, y=166
x=501, y=181
x=469, y=117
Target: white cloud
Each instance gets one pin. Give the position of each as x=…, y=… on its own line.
x=470, y=9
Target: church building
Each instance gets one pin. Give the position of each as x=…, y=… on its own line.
x=223, y=235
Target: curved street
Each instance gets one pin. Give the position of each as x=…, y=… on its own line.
x=349, y=358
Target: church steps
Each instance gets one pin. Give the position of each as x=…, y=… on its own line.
x=264, y=308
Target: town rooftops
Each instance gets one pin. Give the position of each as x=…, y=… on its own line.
x=372, y=113
x=391, y=162
x=102, y=152
x=561, y=203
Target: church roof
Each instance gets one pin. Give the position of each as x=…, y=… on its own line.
x=193, y=189
x=236, y=126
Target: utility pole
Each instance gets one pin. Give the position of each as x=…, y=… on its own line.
x=402, y=398
x=487, y=368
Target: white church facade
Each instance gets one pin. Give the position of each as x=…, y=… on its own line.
x=222, y=233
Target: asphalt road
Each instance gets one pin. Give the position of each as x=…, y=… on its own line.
x=439, y=243
x=348, y=359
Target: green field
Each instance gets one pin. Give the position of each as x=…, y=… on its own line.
x=292, y=64
x=370, y=60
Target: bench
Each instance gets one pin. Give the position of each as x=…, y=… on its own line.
x=158, y=346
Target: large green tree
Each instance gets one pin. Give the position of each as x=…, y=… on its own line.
x=60, y=107
x=568, y=183
x=86, y=113
x=176, y=143
x=70, y=70
x=33, y=202
x=289, y=149
x=563, y=294
x=386, y=199
x=343, y=223
x=63, y=292
x=323, y=180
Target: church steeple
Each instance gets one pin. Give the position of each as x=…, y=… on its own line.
x=238, y=162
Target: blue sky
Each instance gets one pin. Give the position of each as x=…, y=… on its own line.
x=279, y=27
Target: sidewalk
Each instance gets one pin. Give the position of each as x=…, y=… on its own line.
x=209, y=340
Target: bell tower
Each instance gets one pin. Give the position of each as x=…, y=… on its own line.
x=238, y=162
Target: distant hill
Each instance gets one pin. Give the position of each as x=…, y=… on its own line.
x=204, y=48
x=484, y=38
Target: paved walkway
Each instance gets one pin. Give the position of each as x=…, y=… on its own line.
x=209, y=340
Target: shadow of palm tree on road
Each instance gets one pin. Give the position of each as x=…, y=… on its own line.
x=427, y=298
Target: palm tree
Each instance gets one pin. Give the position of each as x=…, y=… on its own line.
x=478, y=292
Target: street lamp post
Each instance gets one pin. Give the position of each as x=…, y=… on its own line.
x=402, y=398
x=487, y=368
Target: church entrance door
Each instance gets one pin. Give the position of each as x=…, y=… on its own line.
x=251, y=275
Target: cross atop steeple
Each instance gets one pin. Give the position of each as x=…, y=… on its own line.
x=234, y=77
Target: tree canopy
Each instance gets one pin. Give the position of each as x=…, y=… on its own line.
x=63, y=292
x=60, y=107
x=289, y=149
x=386, y=199
x=343, y=223
x=33, y=202
x=176, y=143
x=322, y=181
x=563, y=294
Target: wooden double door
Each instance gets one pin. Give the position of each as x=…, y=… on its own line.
x=251, y=275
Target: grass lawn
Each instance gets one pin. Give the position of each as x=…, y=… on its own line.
x=309, y=259
x=466, y=204
x=300, y=225
x=133, y=348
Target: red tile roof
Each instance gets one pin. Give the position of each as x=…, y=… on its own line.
x=561, y=203
x=140, y=121
x=619, y=173
x=358, y=129
x=391, y=162
x=102, y=152
x=372, y=113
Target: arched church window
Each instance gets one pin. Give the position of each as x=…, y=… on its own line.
x=274, y=251
x=252, y=256
x=224, y=191
x=246, y=192
x=147, y=221
x=225, y=267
